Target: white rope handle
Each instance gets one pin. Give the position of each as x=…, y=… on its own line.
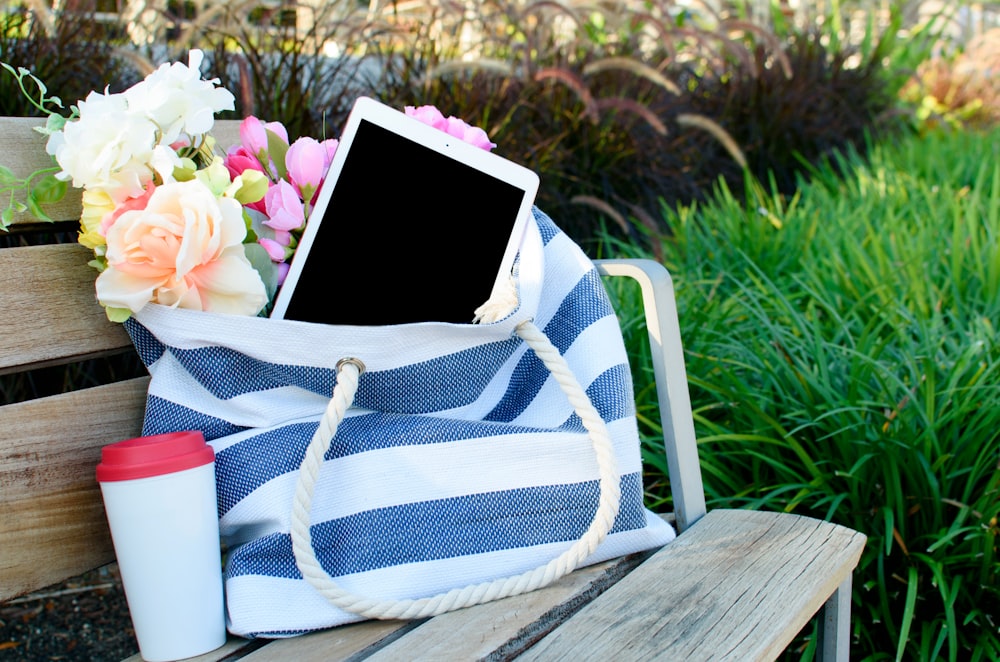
x=343, y=395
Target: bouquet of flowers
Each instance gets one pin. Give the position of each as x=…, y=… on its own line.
x=170, y=219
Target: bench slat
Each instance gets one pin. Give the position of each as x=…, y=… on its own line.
x=340, y=643
x=52, y=522
x=704, y=593
x=24, y=153
x=50, y=313
x=495, y=630
x=502, y=629
x=733, y=582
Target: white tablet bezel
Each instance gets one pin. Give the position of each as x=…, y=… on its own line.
x=382, y=115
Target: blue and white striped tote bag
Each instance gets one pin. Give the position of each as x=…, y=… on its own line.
x=453, y=464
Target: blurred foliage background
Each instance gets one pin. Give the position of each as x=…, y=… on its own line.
x=621, y=106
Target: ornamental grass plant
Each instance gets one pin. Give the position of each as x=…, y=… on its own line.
x=71, y=52
x=617, y=106
x=844, y=363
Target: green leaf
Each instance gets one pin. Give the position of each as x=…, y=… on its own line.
x=42, y=87
x=49, y=189
x=118, y=315
x=908, y=612
x=253, y=186
x=255, y=226
x=53, y=124
x=215, y=177
x=267, y=269
x=36, y=209
x=248, y=222
x=7, y=176
x=779, y=20
x=188, y=170
x=276, y=150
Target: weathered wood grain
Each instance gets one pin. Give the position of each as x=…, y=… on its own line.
x=52, y=522
x=24, y=153
x=495, y=630
x=738, y=585
x=503, y=629
x=235, y=648
x=50, y=313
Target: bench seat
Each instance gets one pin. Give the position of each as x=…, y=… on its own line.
x=702, y=597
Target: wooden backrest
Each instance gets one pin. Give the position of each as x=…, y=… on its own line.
x=52, y=523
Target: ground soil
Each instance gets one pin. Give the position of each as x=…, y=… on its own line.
x=84, y=619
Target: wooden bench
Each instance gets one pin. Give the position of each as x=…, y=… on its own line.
x=735, y=585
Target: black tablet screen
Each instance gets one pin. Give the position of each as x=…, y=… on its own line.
x=409, y=235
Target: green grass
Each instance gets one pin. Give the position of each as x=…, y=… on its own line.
x=844, y=363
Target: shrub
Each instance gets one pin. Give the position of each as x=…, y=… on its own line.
x=843, y=362
x=622, y=112
x=585, y=99
x=787, y=118
x=619, y=107
x=280, y=73
x=959, y=91
x=70, y=51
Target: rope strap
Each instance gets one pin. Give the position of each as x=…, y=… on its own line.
x=349, y=370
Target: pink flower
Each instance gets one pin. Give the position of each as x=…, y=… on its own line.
x=470, y=134
x=253, y=135
x=283, y=268
x=428, y=115
x=451, y=125
x=307, y=163
x=330, y=144
x=284, y=208
x=275, y=250
x=239, y=159
x=254, y=138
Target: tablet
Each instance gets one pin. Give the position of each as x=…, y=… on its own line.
x=411, y=225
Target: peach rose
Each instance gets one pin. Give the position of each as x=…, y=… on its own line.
x=185, y=249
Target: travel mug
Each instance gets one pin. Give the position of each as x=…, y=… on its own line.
x=159, y=495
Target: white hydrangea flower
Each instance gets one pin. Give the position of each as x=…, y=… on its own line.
x=178, y=101
x=164, y=161
x=108, y=148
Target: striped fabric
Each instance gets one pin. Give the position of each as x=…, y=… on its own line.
x=461, y=460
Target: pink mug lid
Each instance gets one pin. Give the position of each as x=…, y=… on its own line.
x=156, y=455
